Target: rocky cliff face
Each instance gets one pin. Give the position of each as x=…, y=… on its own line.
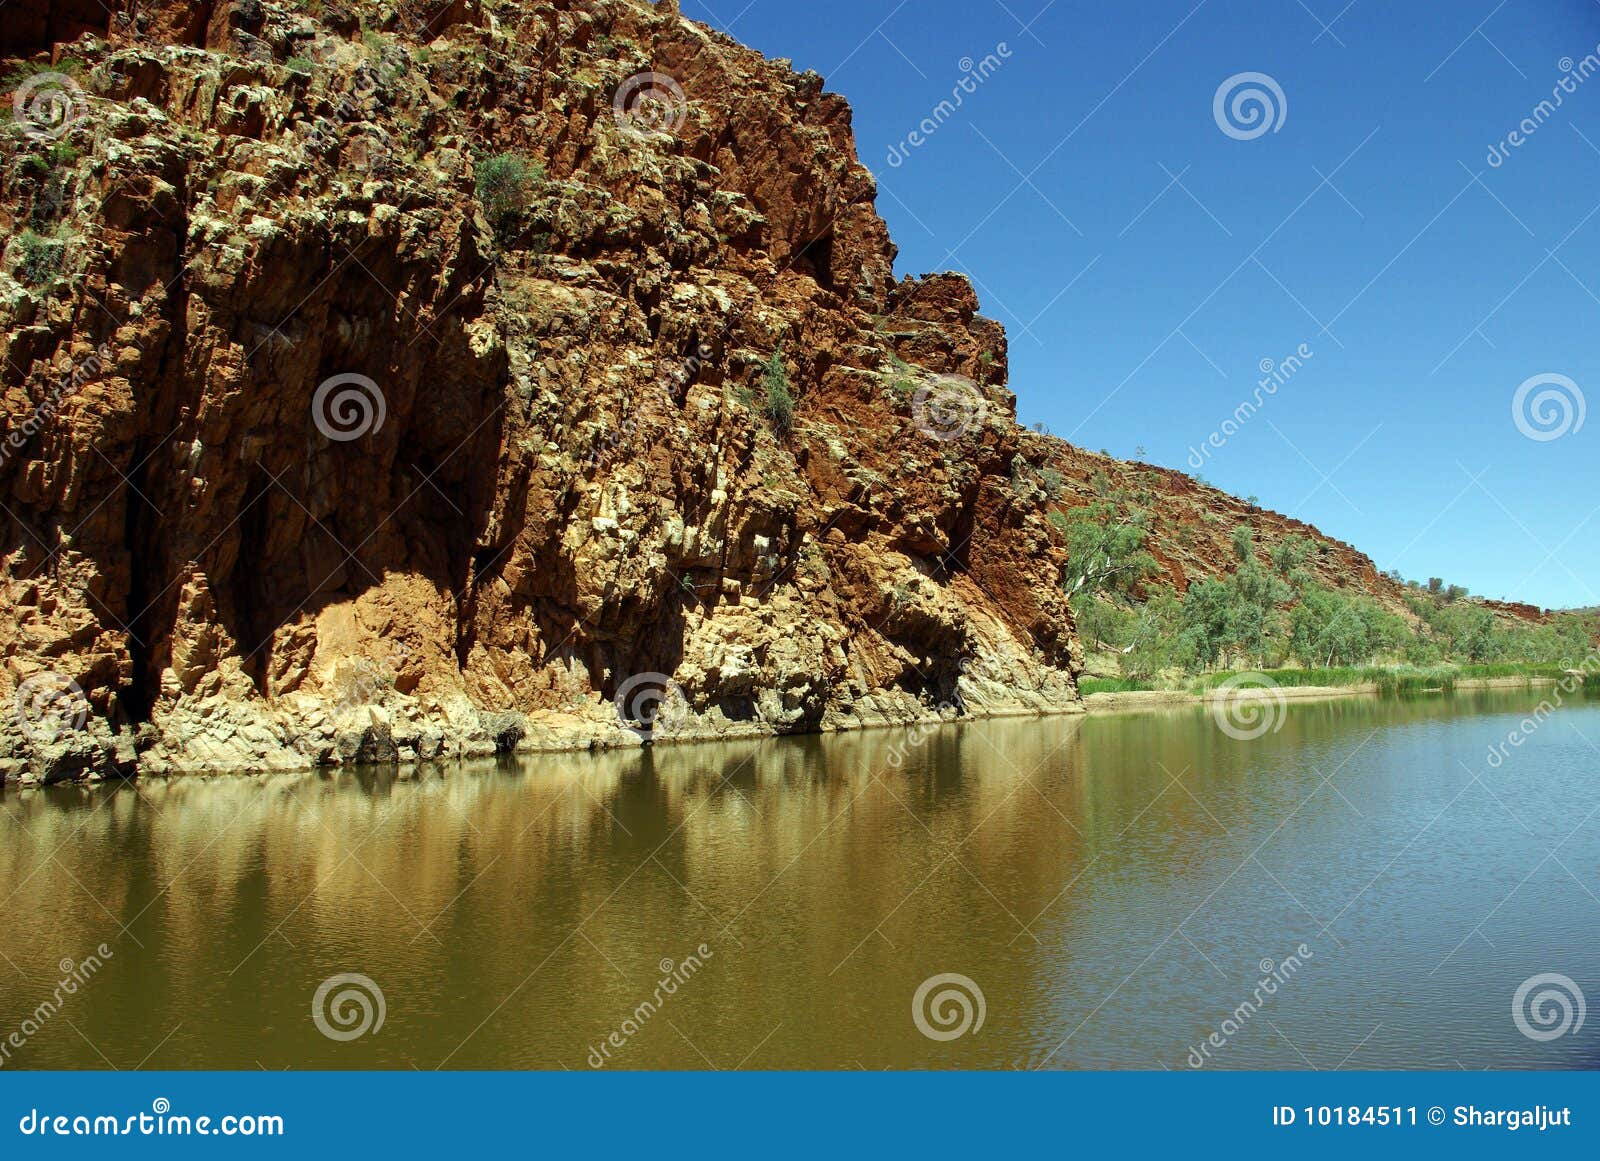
x=436, y=377
x=329, y=435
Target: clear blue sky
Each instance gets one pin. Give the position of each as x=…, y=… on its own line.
x=1146, y=263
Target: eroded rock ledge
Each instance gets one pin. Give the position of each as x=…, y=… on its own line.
x=572, y=483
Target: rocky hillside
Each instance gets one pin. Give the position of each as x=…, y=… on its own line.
x=404, y=379
x=1192, y=526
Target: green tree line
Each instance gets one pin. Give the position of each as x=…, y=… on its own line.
x=1271, y=610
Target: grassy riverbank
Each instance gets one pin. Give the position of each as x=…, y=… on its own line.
x=1385, y=679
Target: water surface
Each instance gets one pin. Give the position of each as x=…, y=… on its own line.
x=1116, y=887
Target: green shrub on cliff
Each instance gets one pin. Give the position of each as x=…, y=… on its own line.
x=39, y=260
x=779, y=404
x=71, y=66
x=506, y=183
x=901, y=377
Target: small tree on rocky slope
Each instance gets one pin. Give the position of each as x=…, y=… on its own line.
x=778, y=406
x=1106, y=545
x=505, y=187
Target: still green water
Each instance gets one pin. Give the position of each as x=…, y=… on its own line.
x=1111, y=885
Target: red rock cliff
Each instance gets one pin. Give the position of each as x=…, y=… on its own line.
x=313, y=454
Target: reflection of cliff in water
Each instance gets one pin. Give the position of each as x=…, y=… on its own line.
x=513, y=914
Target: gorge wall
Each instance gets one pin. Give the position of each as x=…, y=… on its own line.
x=309, y=455
x=421, y=378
